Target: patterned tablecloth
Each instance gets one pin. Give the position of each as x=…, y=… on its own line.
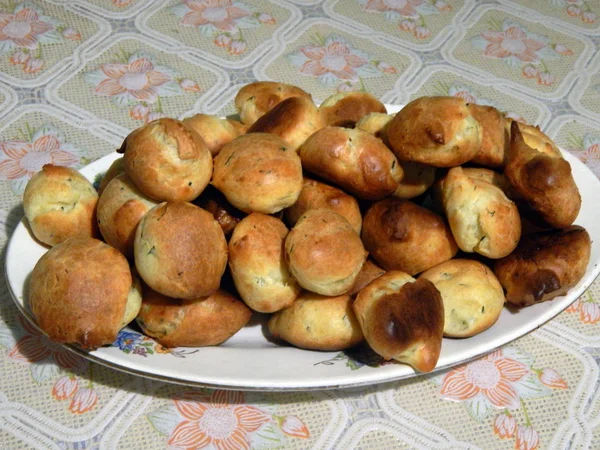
x=77, y=75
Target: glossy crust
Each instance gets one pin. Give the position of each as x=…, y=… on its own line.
x=60, y=203
x=344, y=109
x=317, y=195
x=120, y=208
x=223, y=212
x=354, y=160
x=482, y=219
x=374, y=123
x=472, y=295
x=78, y=292
x=401, y=235
x=116, y=168
x=215, y=131
x=437, y=131
x=180, y=250
x=544, y=265
x=192, y=323
x=416, y=180
x=544, y=182
x=293, y=120
x=402, y=319
x=495, y=135
x=258, y=266
x=255, y=99
x=316, y=322
x=324, y=253
x=167, y=161
x=258, y=172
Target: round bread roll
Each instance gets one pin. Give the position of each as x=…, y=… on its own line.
x=353, y=159
x=293, y=120
x=437, y=131
x=316, y=322
x=416, y=180
x=404, y=236
x=180, y=250
x=60, y=203
x=324, y=253
x=81, y=292
x=495, y=130
x=199, y=322
x=369, y=272
x=482, y=219
x=215, y=131
x=167, y=161
x=257, y=264
x=120, y=208
x=223, y=212
x=402, y=319
x=344, y=109
x=544, y=265
x=255, y=99
x=116, y=168
x=258, y=172
x=317, y=195
x=472, y=295
x=374, y=123
x=544, y=182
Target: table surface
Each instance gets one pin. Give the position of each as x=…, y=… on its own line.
x=77, y=75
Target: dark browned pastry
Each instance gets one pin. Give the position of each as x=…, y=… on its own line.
x=369, y=272
x=224, y=212
x=346, y=108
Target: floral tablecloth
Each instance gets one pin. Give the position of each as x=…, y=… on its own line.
x=77, y=75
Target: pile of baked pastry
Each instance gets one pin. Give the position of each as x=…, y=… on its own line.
x=320, y=216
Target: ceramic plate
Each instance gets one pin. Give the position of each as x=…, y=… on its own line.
x=249, y=361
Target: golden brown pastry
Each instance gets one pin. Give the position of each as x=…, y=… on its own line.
x=344, y=109
x=60, y=203
x=316, y=195
x=416, y=180
x=180, y=250
x=324, y=253
x=369, y=272
x=374, y=123
x=495, y=130
x=472, y=295
x=81, y=292
x=352, y=159
x=167, y=161
x=401, y=235
x=316, y=322
x=491, y=176
x=198, y=322
x=544, y=182
x=544, y=265
x=437, y=131
x=293, y=120
x=120, y=208
x=402, y=319
x=223, y=212
x=258, y=266
x=537, y=139
x=215, y=131
x=116, y=168
x=255, y=99
x=258, y=172
x=482, y=219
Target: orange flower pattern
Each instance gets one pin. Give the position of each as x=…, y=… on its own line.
x=521, y=49
x=224, y=420
x=579, y=9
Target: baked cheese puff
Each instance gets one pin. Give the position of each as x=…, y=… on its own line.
x=537, y=139
x=316, y=195
x=180, y=250
x=167, y=161
x=116, y=168
x=82, y=292
x=416, y=180
x=258, y=266
x=369, y=272
x=491, y=176
x=437, y=131
x=223, y=212
x=120, y=208
x=293, y=120
x=354, y=160
x=544, y=182
x=472, y=295
x=401, y=235
x=374, y=123
x=255, y=99
x=344, y=109
x=60, y=203
x=198, y=322
x=544, y=265
x=482, y=218
x=316, y=322
x=495, y=129
x=402, y=319
x=324, y=253
x=215, y=131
